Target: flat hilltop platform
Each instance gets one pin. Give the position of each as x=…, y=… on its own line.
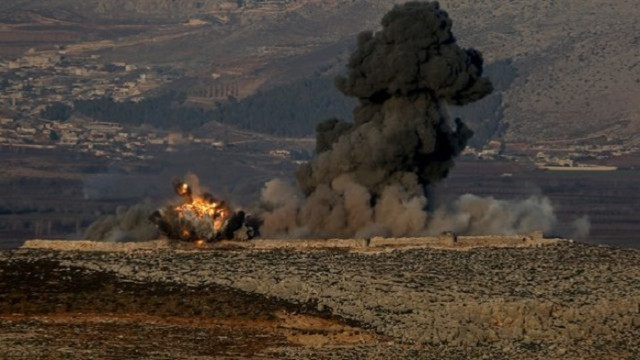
x=558, y=300
x=377, y=243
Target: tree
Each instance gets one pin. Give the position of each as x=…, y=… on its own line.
x=54, y=136
x=57, y=111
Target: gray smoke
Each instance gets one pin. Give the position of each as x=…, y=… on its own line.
x=344, y=209
x=474, y=215
x=580, y=228
x=128, y=224
x=369, y=176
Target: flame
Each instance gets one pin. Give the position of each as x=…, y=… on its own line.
x=183, y=189
x=204, y=210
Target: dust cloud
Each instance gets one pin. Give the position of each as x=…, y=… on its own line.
x=370, y=176
x=128, y=224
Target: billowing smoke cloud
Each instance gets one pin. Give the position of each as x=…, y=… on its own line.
x=474, y=215
x=345, y=210
x=403, y=77
x=369, y=176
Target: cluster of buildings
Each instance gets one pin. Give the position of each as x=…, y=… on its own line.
x=543, y=156
x=30, y=83
x=102, y=139
x=263, y=3
x=33, y=82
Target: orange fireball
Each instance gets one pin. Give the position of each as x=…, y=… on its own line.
x=201, y=218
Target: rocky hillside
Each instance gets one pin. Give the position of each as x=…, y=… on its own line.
x=578, y=63
x=578, y=73
x=566, y=301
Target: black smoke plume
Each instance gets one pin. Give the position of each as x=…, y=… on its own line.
x=403, y=77
x=369, y=176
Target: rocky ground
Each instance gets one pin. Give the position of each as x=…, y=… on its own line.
x=568, y=301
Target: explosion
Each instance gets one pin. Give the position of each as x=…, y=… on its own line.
x=372, y=176
x=201, y=218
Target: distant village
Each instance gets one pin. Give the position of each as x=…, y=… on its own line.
x=37, y=80
x=560, y=158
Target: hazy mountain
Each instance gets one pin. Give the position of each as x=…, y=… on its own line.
x=578, y=63
x=574, y=65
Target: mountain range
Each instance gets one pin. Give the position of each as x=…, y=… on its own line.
x=568, y=71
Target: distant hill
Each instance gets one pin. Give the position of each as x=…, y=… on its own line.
x=577, y=62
